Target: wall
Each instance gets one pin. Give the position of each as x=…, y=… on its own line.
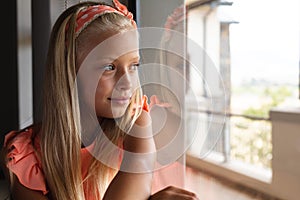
x=25, y=63
x=9, y=69
x=286, y=152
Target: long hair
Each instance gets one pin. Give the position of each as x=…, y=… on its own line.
x=61, y=123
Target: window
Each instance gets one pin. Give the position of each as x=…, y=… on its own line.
x=254, y=46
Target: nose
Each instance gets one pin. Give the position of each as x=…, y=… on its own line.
x=125, y=81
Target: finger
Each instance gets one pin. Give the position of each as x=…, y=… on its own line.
x=181, y=190
x=173, y=193
x=181, y=196
x=187, y=196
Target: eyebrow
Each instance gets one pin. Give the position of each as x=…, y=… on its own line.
x=111, y=59
x=135, y=58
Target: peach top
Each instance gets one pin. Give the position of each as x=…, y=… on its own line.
x=24, y=162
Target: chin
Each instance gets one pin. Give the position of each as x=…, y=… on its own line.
x=118, y=113
x=114, y=114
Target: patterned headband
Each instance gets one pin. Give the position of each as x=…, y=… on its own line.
x=89, y=14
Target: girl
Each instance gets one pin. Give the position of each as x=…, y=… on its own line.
x=85, y=148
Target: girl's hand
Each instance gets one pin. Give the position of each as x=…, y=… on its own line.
x=134, y=179
x=140, y=138
x=173, y=193
x=140, y=151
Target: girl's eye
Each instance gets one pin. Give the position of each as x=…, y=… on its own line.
x=109, y=67
x=134, y=67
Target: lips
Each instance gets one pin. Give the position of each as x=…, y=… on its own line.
x=119, y=100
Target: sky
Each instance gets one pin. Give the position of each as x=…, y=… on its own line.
x=265, y=42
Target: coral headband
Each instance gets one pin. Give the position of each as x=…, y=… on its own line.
x=89, y=14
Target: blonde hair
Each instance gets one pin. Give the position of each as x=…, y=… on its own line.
x=61, y=124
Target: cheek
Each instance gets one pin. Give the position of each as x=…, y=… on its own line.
x=104, y=88
x=102, y=94
x=135, y=81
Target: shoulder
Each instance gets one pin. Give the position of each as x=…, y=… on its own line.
x=20, y=143
x=22, y=159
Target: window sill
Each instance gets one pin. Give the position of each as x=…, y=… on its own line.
x=290, y=114
x=253, y=177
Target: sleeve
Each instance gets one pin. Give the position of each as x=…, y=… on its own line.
x=145, y=103
x=23, y=161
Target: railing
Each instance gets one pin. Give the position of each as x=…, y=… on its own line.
x=236, y=136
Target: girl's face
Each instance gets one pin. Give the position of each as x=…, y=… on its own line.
x=109, y=72
x=116, y=85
